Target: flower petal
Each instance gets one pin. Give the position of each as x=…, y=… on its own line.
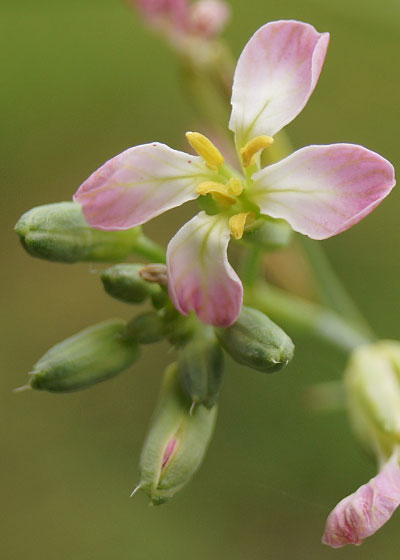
x=139, y=184
x=361, y=514
x=200, y=277
x=323, y=190
x=274, y=78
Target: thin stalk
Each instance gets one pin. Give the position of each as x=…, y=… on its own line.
x=149, y=249
x=250, y=266
x=304, y=317
x=331, y=289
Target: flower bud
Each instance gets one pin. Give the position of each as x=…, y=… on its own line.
x=176, y=442
x=209, y=17
x=147, y=328
x=124, y=282
x=255, y=341
x=372, y=383
x=58, y=232
x=92, y=355
x=200, y=367
x=268, y=234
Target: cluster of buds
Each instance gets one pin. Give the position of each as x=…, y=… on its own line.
x=372, y=381
x=185, y=417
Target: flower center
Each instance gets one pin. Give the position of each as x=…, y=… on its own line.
x=223, y=194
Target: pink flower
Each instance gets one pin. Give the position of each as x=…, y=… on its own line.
x=319, y=190
x=361, y=514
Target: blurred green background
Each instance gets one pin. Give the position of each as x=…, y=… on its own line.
x=81, y=81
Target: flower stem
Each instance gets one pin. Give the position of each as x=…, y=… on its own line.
x=307, y=318
x=331, y=289
x=148, y=249
x=250, y=266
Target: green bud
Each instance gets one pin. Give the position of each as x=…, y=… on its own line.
x=268, y=234
x=176, y=442
x=255, y=341
x=92, y=355
x=59, y=232
x=201, y=368
x=124, y=282
x=147, y=328
x=372, y=384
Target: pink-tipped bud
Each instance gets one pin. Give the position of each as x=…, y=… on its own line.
x=361, y=514
x=209, y=17
x=171, y=445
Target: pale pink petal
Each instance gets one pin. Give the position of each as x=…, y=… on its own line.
x=323, y=190
x=200, y=277
x=139, y=184
x=274, y=78
x=361, y=514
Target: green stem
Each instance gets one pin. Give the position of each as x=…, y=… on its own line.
x=148, y=249
x=250, y=265
x=306, y=318
x=331, y=289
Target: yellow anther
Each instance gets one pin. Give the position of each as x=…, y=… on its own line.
x=237, y=223
x=206, y=149
x=253, y=147
x=221, y=193
x=235, y=186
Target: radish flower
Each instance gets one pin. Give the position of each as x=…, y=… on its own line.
x=319, y=190
x=361, y=514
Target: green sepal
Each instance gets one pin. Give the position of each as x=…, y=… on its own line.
x=58, y=232
x=192, y=431
x=255, y=341
x=90, y=356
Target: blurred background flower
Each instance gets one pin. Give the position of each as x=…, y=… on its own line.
x=77, y=78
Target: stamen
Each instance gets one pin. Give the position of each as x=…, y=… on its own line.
x=237, y=223
x=221, y=193
x=206, y=149
x=253, y=147
x=235, y=186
